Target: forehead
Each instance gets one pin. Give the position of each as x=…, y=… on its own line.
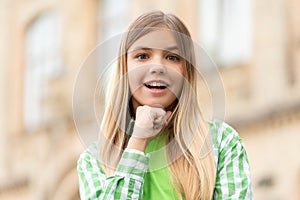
x=158, y=39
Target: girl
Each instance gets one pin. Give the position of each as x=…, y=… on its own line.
x=167, y=150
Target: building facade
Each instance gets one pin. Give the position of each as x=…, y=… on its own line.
x=44, y=45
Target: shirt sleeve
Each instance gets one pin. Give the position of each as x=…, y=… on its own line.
x=126, y=183
x=233, y=179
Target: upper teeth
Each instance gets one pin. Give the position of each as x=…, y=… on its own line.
x=156, y=84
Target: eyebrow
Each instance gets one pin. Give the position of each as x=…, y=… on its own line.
x=171, y=48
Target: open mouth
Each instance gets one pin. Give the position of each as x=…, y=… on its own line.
x=156, y=85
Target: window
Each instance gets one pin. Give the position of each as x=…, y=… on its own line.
x=43, y=63
x=225, y=30
x=114, y=17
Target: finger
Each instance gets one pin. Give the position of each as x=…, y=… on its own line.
x=158, y=110
x=167, y=118
x=157, y=113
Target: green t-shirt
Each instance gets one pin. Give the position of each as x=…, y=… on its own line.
x=157, y=183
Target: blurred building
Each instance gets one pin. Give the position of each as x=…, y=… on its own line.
x=43, y=45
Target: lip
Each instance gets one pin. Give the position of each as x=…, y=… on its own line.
x=154, y=90
x=157, y=81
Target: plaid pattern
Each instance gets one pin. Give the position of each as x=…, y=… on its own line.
x=232, y=180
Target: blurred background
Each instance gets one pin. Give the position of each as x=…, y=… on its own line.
x=43, y=43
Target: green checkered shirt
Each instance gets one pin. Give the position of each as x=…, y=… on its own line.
x=232, y=178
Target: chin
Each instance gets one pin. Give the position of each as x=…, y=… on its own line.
x=166, y=106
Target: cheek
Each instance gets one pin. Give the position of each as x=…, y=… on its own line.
x=178, y=81
x=136, y=77
x=133, y=82
x=129, y=65
x=132, y=78
x=180, y=69
x=179, y=87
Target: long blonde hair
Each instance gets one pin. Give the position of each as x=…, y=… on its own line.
x=193, y=174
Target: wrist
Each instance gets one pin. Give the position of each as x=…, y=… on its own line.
x=137, y=143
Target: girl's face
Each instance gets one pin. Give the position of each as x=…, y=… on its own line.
x=155, y=70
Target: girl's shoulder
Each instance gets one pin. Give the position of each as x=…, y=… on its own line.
x=92, y=150
x=89, y=157
x=222, y=132
x=224, y=137
x=232, y=166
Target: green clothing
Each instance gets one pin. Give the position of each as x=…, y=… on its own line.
x=134, y=179
x=157, y=183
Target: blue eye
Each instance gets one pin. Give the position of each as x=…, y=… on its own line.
x=142, y=56
x=173, y=58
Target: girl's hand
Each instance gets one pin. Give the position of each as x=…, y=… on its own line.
x=149, y=122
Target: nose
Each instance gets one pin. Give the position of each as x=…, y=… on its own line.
x=157, y=66
x=157, y=69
